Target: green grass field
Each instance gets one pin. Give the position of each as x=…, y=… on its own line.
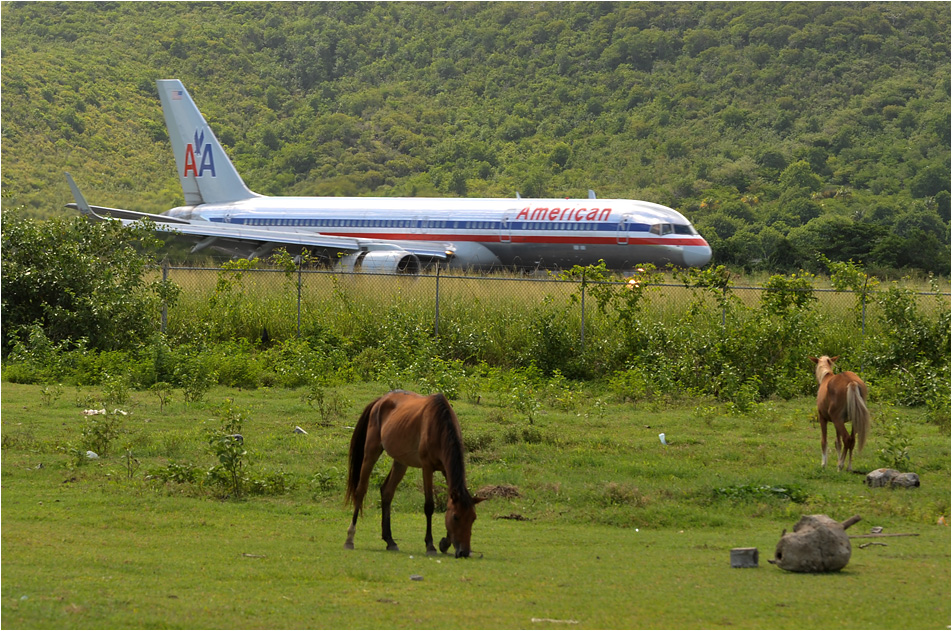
x=604, y=527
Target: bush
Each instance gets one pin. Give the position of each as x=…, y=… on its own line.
x=79, y=280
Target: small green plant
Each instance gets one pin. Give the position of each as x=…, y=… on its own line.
x=524, y=400
x=50, y=394
x=196, y=376
x=178, y=473
x=163, y=391
x=324, y=482
x=115, y=389
x=747, y=492
x=131, y=463
x=562, y=393
x=99, y=431
x=274, y=483
x=75, y=455
x=329, y=406
x=227, y=444
x=895, y=452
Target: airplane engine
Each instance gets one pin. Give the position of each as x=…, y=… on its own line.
x=381, y=262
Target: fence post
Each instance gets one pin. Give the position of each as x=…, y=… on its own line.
x=583, y=311
x=165, y=306
x=300, y=267
x=436, y=325
x=865, y=283
x=724, y=306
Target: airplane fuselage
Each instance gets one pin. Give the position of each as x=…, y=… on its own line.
x=485, y=232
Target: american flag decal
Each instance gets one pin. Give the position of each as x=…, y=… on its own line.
x=176, y=95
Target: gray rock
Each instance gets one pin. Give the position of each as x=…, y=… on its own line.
x=892, y=478
x=880, y=477
x=817, y=544
x=906, y=480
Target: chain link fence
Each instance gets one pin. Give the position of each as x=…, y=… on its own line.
x=280, y=304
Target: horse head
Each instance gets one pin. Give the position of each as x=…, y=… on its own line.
x=460, y=515
x=824, y=366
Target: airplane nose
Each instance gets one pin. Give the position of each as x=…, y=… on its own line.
x=696, y=255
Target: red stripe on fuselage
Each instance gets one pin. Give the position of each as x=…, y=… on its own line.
x=520, y=238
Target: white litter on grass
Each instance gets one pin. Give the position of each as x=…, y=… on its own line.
x=92, y=455
x=298, y=430
x=555, y=621
x=663, y=441
x=93, y=412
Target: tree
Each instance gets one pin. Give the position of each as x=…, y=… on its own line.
x=79, y=280
x=800, y=175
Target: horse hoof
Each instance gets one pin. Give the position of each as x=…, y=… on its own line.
x=348, y=546
x=393, y=548
x=431, y=552
x=444, y=544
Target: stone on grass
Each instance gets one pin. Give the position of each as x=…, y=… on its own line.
x=891, y=478
x=817, y=544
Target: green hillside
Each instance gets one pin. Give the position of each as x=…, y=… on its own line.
x=782, y=130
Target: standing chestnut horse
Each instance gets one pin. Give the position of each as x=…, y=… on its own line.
x=841, y=398
x=416, y=431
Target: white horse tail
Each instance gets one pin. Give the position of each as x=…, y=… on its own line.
x=857, y=414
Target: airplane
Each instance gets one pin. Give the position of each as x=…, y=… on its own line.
x=400, y=234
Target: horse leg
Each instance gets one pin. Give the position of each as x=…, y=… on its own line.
x=823, y=440
x=371, y=454
x=387, y=490
x=428, y=506
x=842, y=440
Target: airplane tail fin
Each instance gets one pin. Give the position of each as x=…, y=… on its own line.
x=206, y=173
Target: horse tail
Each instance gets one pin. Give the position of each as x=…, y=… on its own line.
x=858, y=414
x=356, y=457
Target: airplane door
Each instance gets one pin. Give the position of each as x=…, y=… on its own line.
x=505, y=230
x=622, y=233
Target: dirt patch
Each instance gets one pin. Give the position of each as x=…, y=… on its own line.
x=498, y=490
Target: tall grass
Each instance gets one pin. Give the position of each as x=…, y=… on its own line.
x=669, y=337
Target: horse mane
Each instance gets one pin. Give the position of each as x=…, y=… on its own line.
x=824, y=367
x=452, y=440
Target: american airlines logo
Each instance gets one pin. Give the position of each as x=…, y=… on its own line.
x=199, y=157
x=564, y=214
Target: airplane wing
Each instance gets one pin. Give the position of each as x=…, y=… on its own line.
x=258, y=241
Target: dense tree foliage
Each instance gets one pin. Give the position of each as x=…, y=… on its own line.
x=783, y=130
x=68, y=281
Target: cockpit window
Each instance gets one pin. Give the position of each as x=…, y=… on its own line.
x=661, y=228
x=671, y=228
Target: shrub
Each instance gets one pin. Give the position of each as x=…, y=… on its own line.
x=78, y=279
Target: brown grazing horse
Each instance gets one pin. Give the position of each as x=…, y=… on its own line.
x=416, y=431
x=841, y=398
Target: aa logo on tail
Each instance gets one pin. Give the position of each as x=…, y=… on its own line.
x=199, y=157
